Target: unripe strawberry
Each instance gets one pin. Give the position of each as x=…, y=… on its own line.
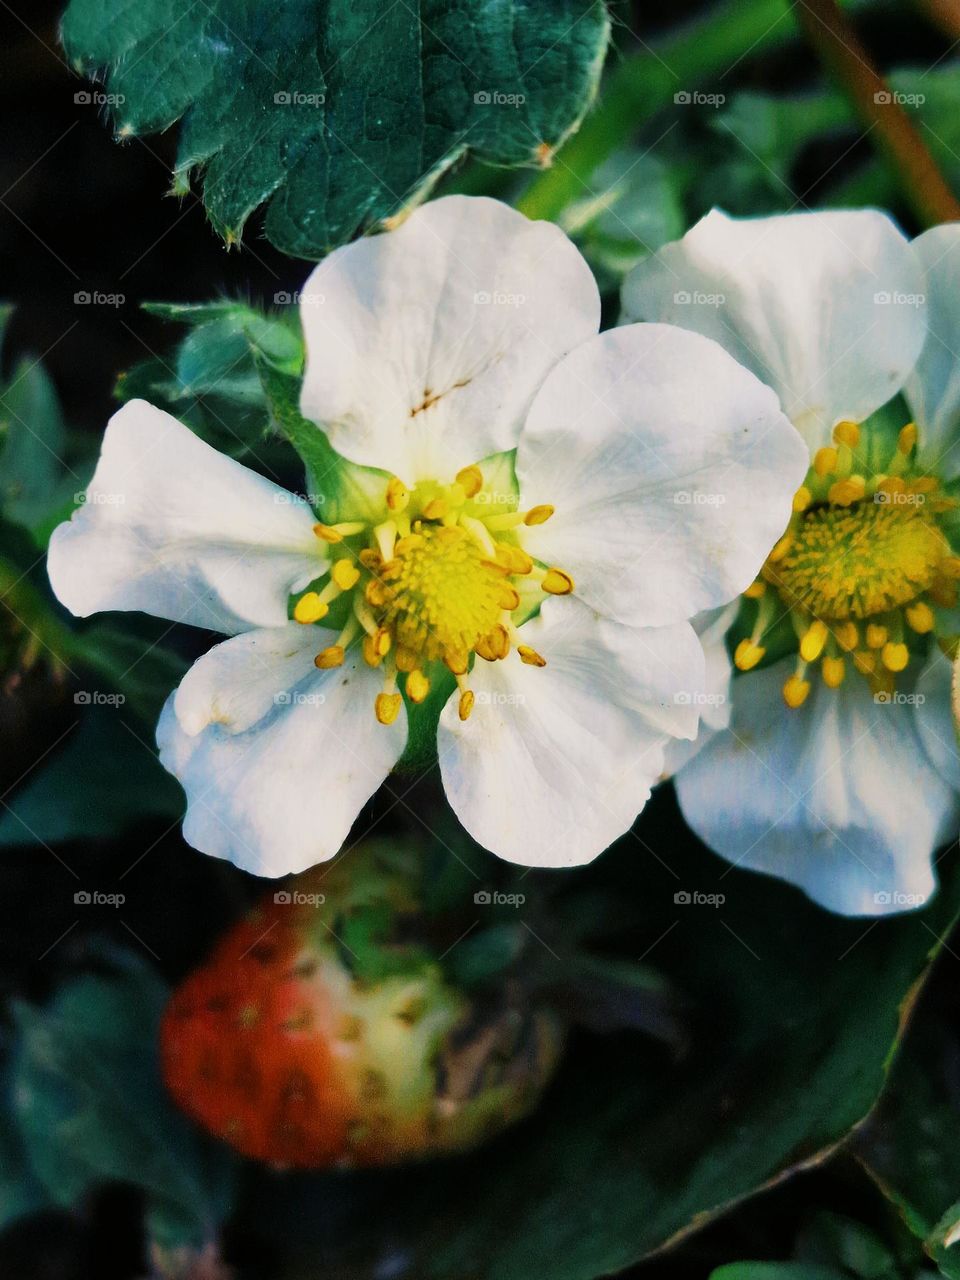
x=322, y=1030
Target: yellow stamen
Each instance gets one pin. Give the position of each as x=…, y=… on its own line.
x=920, y=617
x=847, y=433
x=895, y=656
x=436, y=509
x=407, y=659
x=310, y=608
x=795, y=691
x=833, y=671
x=332, y=656
x=802, y=499
x=398, y=495
x=471, y=480
x=418, y=686
x=907, y=437
x=847, y=635
x=755, y=590
x=467, y=699
x=539, y=515
x=345, y=574
x=813, y=640
x=747, y=655
x=781, y=548
x=825, y=461
x=843, y=493
x=530, y=656
x=557, y=582
x=514, y=559
x=877, y=635
x=494, y=645
x=334, y=533
x=387, y=707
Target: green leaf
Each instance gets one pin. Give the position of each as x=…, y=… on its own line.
x=793, y=1017
x=777, y=1271
x=35, y=483
x=100, y=782
x=20, y=1192
x=92, y=1108
x=339, y=114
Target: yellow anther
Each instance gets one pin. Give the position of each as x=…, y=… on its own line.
x=513, y=559
x=843, y=493
x=407, y=659
x=781, y=548
x=847, y=635
x=877, y=635
x=467, y=699
x=747, y=655
x=557, y=582
x=907, y=437
x=371, y=559
x=795, y=691
x=509, y=597
x=387, y=707
x=495, y=645
x=813, y=640
x=802, y=499
x=470, y=480
x=371, y=655
x=345, y=574
x=382, y=641
x=920, y=617
x=530, y=656
x=418, y=686
x=436, y=509
x=327, y=533
x=847, y=433
x=895, y=656
x=923, y=484
x=376, y=593
x=398, y=495
x=310, y=608
x=332, y=656
x=944, y=594
x=456, y=660
x=825, y=461
x=539, y=515
x=833, y=671
x=865, y=662
x=891, y=484
x=756, y=590
x=950, y=566
x=404, y=546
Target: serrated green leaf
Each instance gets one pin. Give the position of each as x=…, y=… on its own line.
x=91, y=1106
x=338, y=114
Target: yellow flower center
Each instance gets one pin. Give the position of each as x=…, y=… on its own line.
x=860, y=570
x=440, y=578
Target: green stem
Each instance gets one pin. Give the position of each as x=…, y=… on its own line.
x=691, y=59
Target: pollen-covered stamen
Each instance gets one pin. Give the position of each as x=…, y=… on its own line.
x=860, y=568
x=441, y=578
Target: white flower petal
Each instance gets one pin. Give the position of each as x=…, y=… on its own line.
x=555, y=763
x=711, y=628
x=933, y=389
x=277, y=794
x=174, y=528
x=836, y=797
x=822, y=306
x=426, y=345
x=671, y=468
x=933, y=716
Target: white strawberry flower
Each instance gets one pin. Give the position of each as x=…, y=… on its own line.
x=529, y=550
x=838, y=770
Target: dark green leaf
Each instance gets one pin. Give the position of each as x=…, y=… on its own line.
x=337, y=114
x=36, y=484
